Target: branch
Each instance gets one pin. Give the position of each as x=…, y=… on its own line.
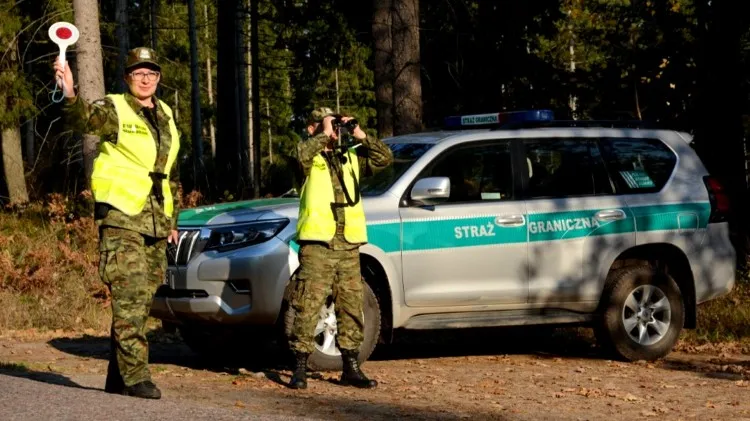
x=15, y=38
x=44, y=140
x=33, y=36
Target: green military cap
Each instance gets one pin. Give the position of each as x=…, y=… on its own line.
x=319, y=114
x=142, y=56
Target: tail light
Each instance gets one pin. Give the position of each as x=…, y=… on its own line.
x=719, y=199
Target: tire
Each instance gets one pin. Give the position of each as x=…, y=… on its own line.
x=650, y=334
x=330, y=359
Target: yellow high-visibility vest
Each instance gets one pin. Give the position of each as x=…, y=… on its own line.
x=316, y=219
x=121, y=171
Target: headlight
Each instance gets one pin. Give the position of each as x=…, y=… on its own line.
x=242, y=235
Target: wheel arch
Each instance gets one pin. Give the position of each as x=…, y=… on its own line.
x=670, y=259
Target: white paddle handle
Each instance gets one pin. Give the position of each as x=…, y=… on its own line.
x=61, y=57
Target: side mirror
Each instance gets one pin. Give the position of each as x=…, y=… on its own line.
x=431, y=189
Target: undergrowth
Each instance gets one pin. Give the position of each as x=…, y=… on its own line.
x=726, y=318
x=48, y=267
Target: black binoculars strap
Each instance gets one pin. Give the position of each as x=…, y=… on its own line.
x=338, y=170
x=156, y=179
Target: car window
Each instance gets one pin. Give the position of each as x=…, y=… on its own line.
x=477, y=172
x=404, y=156
x=638, y=165
x=564, y=168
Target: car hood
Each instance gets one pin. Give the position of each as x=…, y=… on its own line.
x=233, y=212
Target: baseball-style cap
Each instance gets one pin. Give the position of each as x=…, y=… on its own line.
x=319, y=114
x=142, y=56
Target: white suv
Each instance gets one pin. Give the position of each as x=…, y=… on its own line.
x=529, y=221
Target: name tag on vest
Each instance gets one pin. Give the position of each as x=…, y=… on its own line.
x=134, y=129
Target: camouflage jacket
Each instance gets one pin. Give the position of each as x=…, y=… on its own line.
x=373, y=157
x=100, y=118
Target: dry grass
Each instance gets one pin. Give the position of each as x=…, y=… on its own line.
x=48, y=269
x=725, y=319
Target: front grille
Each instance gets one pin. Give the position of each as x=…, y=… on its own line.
x=189, y=246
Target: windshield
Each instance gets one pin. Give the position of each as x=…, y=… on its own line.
x=404, y=156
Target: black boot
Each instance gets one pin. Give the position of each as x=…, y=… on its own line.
x=352, y=374
x=146, y=390
x=299, y=378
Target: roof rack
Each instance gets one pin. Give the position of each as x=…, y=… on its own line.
x=610, y=124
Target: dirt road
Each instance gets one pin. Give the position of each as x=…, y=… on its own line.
x=490, y=374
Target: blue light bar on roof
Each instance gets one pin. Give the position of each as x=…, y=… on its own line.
x=497, y=119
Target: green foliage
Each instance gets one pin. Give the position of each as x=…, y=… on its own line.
x=17, y=100
x=633, y=59
x=640, y=49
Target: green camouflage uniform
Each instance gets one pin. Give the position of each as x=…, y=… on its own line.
x=332, y=268
x=132, y=249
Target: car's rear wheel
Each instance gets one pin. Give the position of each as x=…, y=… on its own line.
x=642, y=313
x=327, y=356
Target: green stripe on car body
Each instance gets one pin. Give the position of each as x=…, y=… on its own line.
x=482, y=231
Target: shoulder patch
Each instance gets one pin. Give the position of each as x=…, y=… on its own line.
x=100, y=102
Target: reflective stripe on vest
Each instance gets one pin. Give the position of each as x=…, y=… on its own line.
x=316, y=219
x=121, y=171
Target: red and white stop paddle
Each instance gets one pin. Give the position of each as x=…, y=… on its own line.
x=63, y=34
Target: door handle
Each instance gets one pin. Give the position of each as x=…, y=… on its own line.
x=610, y=215
x=510, y=220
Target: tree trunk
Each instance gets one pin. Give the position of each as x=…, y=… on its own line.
x=407, y=86
x=209, y=84
x=243, y=179
x=13, y=166
x=90, y=72
x=255, y=88
x=121, y=33
x=381, y=32
x=153, y=14
x=228, y=151
x=195, y=99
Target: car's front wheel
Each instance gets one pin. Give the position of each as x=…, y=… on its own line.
x=327, y=356
x=642, y=313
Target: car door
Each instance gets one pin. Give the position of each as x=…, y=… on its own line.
x=471, y=248
x=577, y=225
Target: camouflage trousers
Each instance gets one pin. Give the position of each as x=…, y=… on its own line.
x=132, y=265
x=325, y=272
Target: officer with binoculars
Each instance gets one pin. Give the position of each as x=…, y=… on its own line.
x=330, y=229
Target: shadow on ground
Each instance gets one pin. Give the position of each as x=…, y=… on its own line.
x=19, y=370
x=719, y=367
x=536, y=340
x=168, y=348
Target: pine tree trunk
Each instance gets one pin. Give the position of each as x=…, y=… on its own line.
x=255, y=88
x=13, y=166
x=381, y=32
x=228, y=164
x=90, y=74
x=121, y=33
x=195, y=100
x=407, y=85
x=209, y=84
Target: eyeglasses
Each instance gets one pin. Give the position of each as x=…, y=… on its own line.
x=150, y=76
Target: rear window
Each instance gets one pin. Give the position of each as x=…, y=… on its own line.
x=638, y=165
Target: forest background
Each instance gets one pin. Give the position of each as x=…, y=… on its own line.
x=242, y=75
